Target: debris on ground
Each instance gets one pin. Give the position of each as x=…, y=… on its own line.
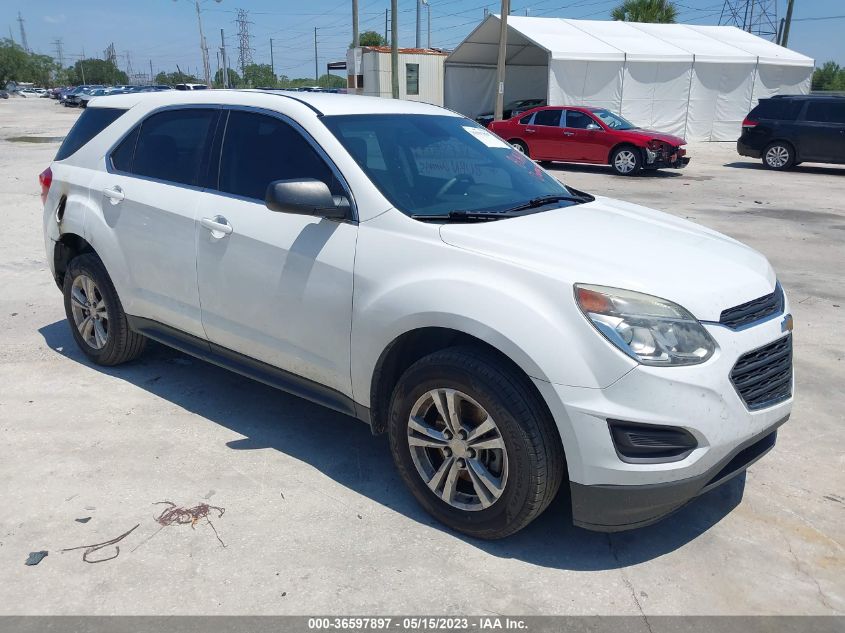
x=90, y=549
x=183, y=516
x=83, y=520
x=35, y=557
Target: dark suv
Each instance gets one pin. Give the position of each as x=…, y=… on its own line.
x=786, y=130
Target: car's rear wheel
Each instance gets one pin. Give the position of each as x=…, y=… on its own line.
x=626, y=160
x=96, y=315
x=473, y=444
x=520, y=146
x=779, y=155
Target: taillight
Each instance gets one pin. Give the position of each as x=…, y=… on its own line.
x=46, y=179
x=748, y=124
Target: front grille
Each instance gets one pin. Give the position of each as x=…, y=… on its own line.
x=755, y=310
x=763, y=377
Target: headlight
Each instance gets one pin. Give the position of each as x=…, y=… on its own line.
x=651, y=330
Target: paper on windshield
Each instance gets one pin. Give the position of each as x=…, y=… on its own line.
x=488, y=138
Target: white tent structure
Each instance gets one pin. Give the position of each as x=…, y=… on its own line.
x=697, y=82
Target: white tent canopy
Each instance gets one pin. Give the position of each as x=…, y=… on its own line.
x=698, y=82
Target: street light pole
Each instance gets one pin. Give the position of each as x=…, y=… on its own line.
x=498, y=111
x=394, y=48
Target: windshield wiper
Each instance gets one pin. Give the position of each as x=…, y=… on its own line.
x=579, y=198
x=466, y=216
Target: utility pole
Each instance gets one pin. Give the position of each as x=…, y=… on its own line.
x=394, y=48
x=785, y=38
x=316, y=64
x=272, y=63
x=500, y=63
x=418, y=39
x=218, y=69
x=355, y=36
x=244, y=40
x=385, y=24
x=225, y=65
x=203, y=47
x=427, y=4
x=60, y=55
x=23, y=33
x=152, y=75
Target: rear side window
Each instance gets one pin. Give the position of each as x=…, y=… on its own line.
x=777, y=109
x=172, y=145
x=526, y=119
x=826, y=112
x=547, y=117
x=90, y=123
x=121, y=157
x=259, y=149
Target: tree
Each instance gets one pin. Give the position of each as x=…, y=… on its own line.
x=13, y=62
x=171, y=79
x=829, y=77
x=97, y=71
x=259, y=76
x=234, y=78
x=41, y=69
x=371, y=38
x=656, y=11
x=331, y=81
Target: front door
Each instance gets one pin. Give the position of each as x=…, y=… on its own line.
x=587, y=139
x=822, y=133
x=276, y=287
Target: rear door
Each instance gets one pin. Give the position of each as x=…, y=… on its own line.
x=823, y=131
x=149, y=196
x=276, y=287
x=544, y=135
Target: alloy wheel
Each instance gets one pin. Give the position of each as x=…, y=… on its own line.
x=458, y=449
x=777, y=156
x=518, y=147
x=89, y=312
x=625, y=161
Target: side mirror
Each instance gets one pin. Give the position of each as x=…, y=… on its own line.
x=593, y=126
x=305, y=196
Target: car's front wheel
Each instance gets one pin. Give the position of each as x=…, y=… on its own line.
x=520, y=146
x=626, y=160
x=473, y=444
x=95, y=314
x=779, y=155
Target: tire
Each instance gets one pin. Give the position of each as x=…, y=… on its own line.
x=547, y=164
x=779, y=156
x=528, y=468
x=520, y=146
x=106, y=339
x=626, y=160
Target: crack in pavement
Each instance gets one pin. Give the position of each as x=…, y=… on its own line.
x=628, y=583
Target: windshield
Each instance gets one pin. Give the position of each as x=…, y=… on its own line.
x=613, y=121
x=434, y=165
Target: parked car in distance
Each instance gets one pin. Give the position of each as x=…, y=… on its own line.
x=591, y=135
x=785, y=131
x=4, y=94
x=191, y=87
x=509, y=333
x=511, y=109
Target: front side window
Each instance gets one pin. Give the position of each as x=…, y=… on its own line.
x=172, y=145
x=613, y=121
x=432, y=165
x=578, y=120
x=412, y=79
x=259, y=149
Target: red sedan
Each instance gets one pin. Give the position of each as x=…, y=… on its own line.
x=591, y=135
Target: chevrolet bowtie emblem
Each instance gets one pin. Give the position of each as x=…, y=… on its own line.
x=786, y=325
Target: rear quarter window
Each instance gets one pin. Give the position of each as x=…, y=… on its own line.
x=90, y=123
x=777, y=109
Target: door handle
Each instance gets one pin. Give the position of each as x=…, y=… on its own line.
x=114, y=194
x=569, y=133
x=530, y=130
x=217, y=225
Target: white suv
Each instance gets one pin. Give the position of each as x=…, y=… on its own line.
x=401, y=264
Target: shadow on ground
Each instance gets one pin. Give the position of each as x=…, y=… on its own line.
x=799, y=169
x=344, y=449
x=607, y=170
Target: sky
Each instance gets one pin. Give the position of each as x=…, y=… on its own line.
x=164, y=34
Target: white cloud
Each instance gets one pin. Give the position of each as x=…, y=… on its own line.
x=55, y=19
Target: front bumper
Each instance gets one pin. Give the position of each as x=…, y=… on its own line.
x=672, y=159
x=611, y=494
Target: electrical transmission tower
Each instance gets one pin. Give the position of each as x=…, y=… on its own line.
x=23, y=33
x=110, y=54
x=60, y=54
x=758, y=17
x=244, y=40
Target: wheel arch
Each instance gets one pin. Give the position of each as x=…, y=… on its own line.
x=619, y=146
x=68, y=246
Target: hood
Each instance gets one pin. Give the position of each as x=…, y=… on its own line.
x=613, y=243
x=660, y=136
